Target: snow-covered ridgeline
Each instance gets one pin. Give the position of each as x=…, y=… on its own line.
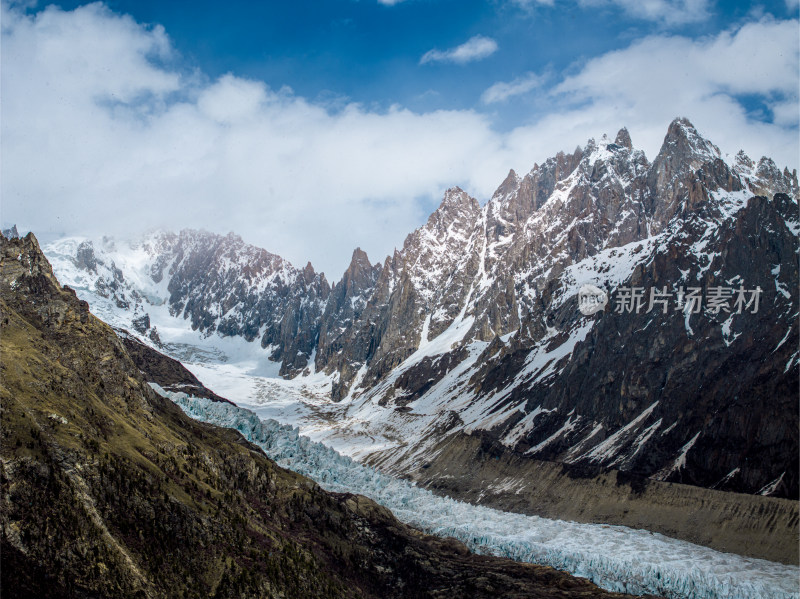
x=614, y=557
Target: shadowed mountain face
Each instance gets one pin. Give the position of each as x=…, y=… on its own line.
x=473, y=327
x=162, y=370
x=110, y=490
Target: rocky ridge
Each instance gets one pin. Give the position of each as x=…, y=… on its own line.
x=472, y=326
x=220, y=284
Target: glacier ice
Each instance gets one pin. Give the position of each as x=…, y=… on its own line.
x=616, y=558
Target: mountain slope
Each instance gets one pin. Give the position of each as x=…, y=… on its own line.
x=706, y=398
x=219, y=284
x=473, y=327
x=110, y=490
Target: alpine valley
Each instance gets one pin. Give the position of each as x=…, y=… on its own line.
x=463, y=364
x=110, y=490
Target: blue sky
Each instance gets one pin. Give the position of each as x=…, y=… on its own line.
x=339, y=51
x=313, y=127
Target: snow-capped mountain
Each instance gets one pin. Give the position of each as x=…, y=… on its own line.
x=218, y=284
x=472, y=328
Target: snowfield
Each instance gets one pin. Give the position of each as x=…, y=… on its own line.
x=614, y=557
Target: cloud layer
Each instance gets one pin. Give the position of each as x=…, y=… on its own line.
x=477, y=47
x=501, y=91
x=664, y=12
x=103, y=132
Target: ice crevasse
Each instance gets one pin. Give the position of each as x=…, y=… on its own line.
x=615, y=558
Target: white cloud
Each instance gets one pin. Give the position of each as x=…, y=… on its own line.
x=663, y=76
x=501, y=90
x=530, y=3
x=100, y=138
x=666, y=12
x=233, y=100
x=476, y=48
x=786, y=114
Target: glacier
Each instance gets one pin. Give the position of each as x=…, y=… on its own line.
x=615, y=558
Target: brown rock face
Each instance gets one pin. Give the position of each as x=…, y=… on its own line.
x=346, y=304
x=722, y=386
x=727, y=391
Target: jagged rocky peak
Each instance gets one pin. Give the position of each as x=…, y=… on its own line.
x=340, y=345
x=594, y=151
x=23, y=259
x=457, y=206
x=310, y=275
x=358, y=262
x=194, y=251
x=771, y=178
x=612, y=163
x=565, y=163
x=684, y=147
x=498, y=210
x=620, y=152
x=743, y=163
x=688, y=167
x=767, y=169
x=515, y=201
x=623, y=139
x=361, y=274
x=10, y=233
x=509, y=185
x=85, y=258
x=443, y=240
